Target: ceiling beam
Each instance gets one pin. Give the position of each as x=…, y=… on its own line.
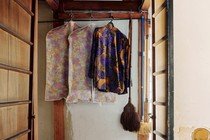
x=103, y=5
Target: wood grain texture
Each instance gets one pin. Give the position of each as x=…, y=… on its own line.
x=4, y=47
x=35, y=71
x=19, y=53
x=4, y=11
x=59, y=126
x=27, y=3
x=3, y=123
x=24, y=20
x=3, y=85
x=14, y=85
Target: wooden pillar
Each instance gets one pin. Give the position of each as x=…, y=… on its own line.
x=59, y=126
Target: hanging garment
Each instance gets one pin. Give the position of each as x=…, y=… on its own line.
x=80, y=85
x=109, y=64
x=104, y=97
x=57, y=61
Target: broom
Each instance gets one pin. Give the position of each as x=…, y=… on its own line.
x=130, y=118
x=145, y=128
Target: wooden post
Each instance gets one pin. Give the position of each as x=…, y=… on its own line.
x=59, y=126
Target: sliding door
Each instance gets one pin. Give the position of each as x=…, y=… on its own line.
x=16, y=69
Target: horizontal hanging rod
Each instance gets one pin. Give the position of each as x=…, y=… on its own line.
x=80, y=19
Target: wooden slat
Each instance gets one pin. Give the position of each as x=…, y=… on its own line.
x=159, y=103
x=159, y=72
x=14, y=103
x=160, y=134
x=7, y=29
x=21, y=4
x=7, y=67
x=159, y=9
x=19, y=134
x=160, y=41
x=134, y=15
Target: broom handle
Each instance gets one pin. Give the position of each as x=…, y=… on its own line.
x=142, y=66
x=130, y=45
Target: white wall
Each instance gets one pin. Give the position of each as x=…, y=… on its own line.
x=192, y=66
x=102, y=122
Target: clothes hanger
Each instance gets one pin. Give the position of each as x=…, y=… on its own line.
x=112, y=18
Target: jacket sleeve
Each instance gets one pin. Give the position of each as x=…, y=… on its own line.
x=93, y=55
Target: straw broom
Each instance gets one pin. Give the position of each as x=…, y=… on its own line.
x=145, y=126
x=130, y=118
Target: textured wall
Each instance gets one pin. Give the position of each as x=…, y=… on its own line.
x=192, y=66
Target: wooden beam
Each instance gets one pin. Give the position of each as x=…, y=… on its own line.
x=102, y=5
x=54, y=4
x=135, y=15
x=35, y=71
x=59, y=126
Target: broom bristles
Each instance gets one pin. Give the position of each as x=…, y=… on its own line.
x=130, y=118
x=145, y=128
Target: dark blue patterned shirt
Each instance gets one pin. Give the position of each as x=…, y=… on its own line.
x=109, y=62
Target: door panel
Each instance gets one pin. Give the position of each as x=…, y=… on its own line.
x=161, y=92
x=161, y=119
x=160, y=60
x=19, y=53
x=3, y=123
x=160, y=27
x=3, y=85
x=18, y=87
x=16, y=69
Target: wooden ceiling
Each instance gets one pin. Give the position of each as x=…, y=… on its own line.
x=96, y=5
